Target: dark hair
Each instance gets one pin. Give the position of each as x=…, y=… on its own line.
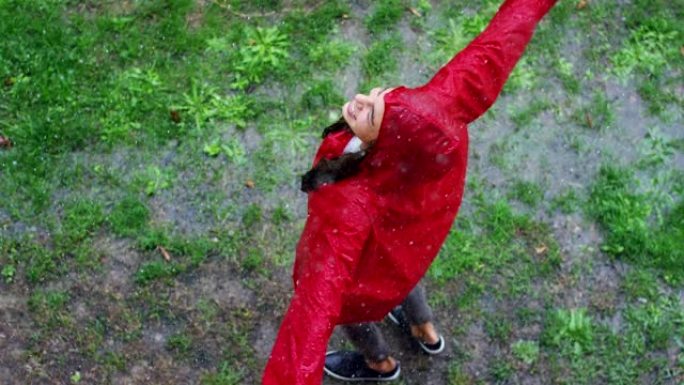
x=339, y=125
x=332, y=170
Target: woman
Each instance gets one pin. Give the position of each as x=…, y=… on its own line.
x=378, y=216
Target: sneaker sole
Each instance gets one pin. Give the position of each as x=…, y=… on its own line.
x=359, y=379
x=393, y=319
x=422, y=345
x=442, y=345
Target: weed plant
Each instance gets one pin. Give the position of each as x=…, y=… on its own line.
x=569, y=328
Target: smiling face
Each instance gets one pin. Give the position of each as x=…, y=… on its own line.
x=364, y=114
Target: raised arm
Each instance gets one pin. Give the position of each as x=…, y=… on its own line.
x=470, y=83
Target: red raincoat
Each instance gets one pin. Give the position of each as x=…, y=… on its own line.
x=369, y=239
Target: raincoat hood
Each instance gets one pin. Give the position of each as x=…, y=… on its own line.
x=369, y=239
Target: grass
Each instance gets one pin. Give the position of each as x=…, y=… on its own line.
x=566, y=202
x=385, y=16
x=224, y=376
x=625, y=215
x=129, y=216
x=156, y=151
x=380, y=59
x=597, y=114
x=527, y=192
x=523, y=117
x=499, y=243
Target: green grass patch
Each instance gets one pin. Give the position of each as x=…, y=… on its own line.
x=40, y=262
x=380, y=59
x=648, y=50
x=179, y=343
x=48, y=307
x=527, y=192
x=630, y=233
x=497, y=237
x=225, y=375
x=82, y=217
x=596, y=114
x=156, y=270
x=523, y=116
x=526, y=351
x=322, y=95
x=385, y=15
x=567, y=201
x=128, y=217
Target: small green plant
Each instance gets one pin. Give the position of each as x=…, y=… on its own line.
x=41, y=262
x=526, y=351
x=48, y=300
x=625, y=213
x=253, y=260
x=199, y=103
x=8, y=272
x=226, y=375
x=154, y=179
x=570, y=328
x=214, y=148
x=76, y=377
x=236, y=109
x=264, y=50
x=179, y=343
x=234, y=151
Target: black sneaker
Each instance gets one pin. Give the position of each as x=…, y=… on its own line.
x=351, y=366
x=397, y=317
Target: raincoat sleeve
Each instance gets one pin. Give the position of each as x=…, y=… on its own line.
x=470, y=83
x=328, y=252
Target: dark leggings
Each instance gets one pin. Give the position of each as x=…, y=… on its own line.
x=367, y=337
